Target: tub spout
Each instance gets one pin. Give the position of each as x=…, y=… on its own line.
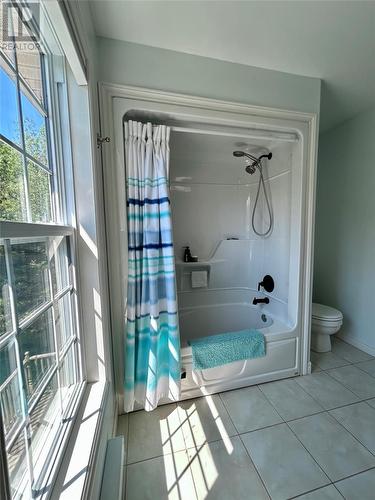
x=256, y=301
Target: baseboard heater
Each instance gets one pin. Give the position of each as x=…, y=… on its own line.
x=113, y=473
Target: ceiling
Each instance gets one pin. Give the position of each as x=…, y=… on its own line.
x=331, y=40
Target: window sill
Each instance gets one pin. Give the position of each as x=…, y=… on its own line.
x=73, y=476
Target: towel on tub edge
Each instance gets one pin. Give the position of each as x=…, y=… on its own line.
x=217, y=350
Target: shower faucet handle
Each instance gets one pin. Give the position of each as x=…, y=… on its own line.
x=268, y=284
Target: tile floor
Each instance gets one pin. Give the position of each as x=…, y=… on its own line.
x=311, y=438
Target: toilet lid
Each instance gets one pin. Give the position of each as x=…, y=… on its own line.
x=320, y=311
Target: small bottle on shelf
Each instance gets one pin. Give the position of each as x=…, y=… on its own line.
x=187, y=255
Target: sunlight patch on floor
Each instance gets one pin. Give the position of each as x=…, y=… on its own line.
x=219, y=423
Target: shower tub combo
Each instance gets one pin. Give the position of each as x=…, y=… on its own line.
x=231, y=310
x=219, y=211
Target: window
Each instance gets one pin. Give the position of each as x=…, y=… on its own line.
x=40, y=361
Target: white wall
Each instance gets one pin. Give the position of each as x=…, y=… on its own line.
x=140, y=65
x=344, y=274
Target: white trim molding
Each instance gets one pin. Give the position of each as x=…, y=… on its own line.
x=116, y=100
x=62, y=18
x=30, y=230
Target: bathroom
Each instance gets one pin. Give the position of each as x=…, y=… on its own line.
x=186, y=250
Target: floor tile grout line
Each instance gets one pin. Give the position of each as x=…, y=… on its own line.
x=243, y=444
x=355, y=474
x=270, y=402
x=346, y=387
x=240, y=437
x=347, y=430
x=352, y=475
x=254, y=430
x=328, y=412
x=255, y=468
x=362, y=370
x=346, y=477
x=286, y=422
x=338, y=491
x=317, y=463
x=360, y=398
x=351, y=346
x=313, y=490
x=239, y=434
x=335, y=355
x=229, y=415
x=335, y=407
x=196, y=447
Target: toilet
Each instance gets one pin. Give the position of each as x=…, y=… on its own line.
x=325, y=321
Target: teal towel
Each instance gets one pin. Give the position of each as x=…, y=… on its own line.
x=217, y=350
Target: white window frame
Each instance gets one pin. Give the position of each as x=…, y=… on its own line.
x=63, y=210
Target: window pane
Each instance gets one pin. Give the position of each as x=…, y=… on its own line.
x=68, y=377
x=17, y=467
x=39, y=193
x=37, y=350
x=35, y=130
x=29, y=65
x=30, y=263
x=12, y=199
x=44, y=423
x=60, y=266
x=63, y=317
x=5, y=316
x=9, y=122
x=10, y=397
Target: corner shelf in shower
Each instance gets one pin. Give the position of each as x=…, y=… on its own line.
x=200, y=263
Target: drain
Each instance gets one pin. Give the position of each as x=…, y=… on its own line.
x=264, y=318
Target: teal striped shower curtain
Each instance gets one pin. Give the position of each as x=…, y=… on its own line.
x=152, y=341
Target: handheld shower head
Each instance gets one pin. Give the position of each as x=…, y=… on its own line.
x=251, y=167
x=256, y=162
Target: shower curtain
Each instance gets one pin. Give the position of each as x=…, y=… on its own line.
x=152, y=341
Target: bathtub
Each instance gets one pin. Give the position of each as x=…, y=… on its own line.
x=210, y=312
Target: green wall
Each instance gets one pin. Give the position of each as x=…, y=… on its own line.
x=344, y=274
x=144, y=66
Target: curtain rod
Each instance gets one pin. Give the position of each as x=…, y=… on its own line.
x=280, y=136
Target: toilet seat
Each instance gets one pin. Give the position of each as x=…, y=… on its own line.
x=326, y=314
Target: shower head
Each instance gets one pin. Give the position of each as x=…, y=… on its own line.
x=256, y=162
x=250, y=169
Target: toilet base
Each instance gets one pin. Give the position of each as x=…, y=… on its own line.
x=321, y=342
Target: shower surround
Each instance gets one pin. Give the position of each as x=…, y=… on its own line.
x=212, y=202
x=212, y=199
